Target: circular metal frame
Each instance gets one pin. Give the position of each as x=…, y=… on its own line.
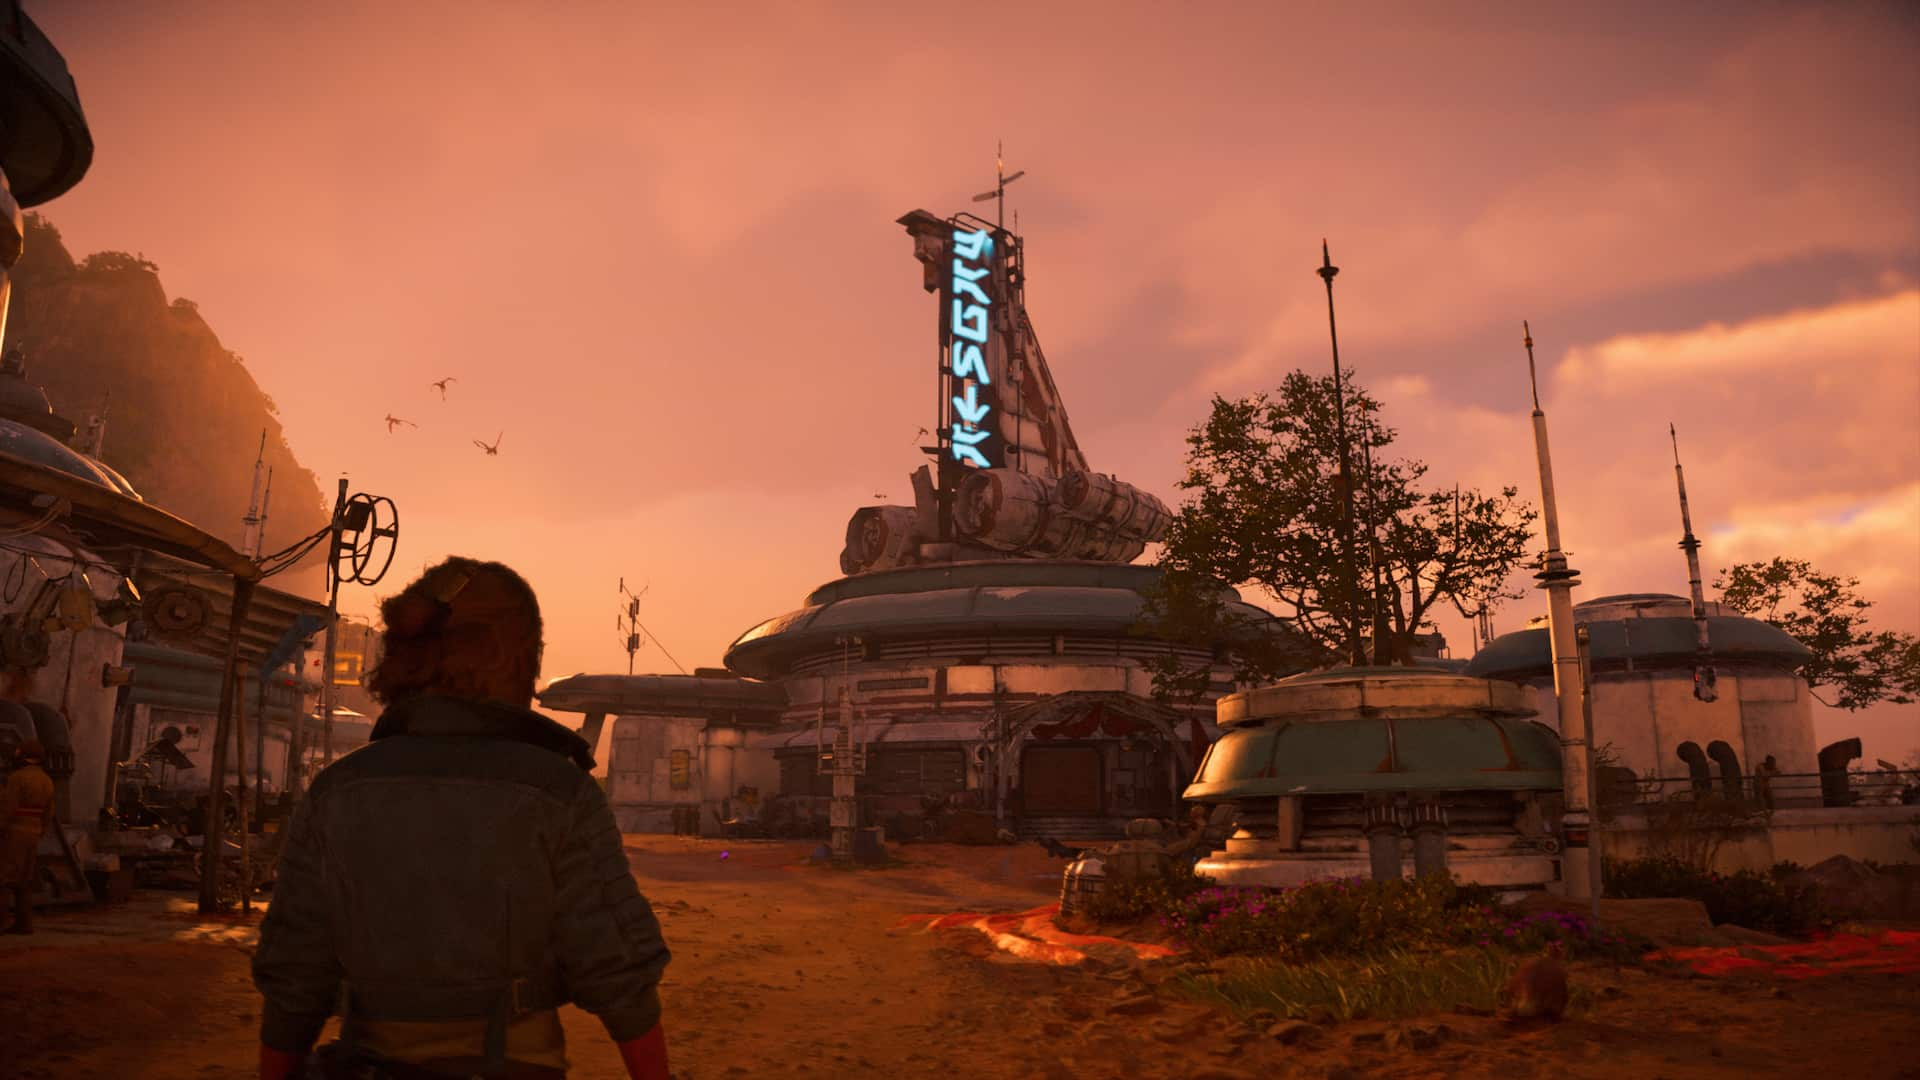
x=359, y=547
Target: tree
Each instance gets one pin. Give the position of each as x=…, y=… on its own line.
x=1266, y=511
x=1823, y=613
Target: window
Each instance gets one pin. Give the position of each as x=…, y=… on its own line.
x=680, y=770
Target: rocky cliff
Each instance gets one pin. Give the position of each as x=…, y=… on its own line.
x=185, y=416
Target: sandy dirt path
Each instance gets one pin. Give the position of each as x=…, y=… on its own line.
x=783, y=969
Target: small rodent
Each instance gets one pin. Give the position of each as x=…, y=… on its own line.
x=1538, y=988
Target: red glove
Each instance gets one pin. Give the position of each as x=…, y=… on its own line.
x=281, y=1065
x=646, y=1056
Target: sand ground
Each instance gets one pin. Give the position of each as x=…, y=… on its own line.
x=783, y=969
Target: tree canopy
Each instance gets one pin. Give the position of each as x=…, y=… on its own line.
x=1858, y=666
x=1266, y=510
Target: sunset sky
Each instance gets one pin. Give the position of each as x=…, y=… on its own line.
x=655, y=245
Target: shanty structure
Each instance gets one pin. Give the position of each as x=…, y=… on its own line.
x=176, y=672
x=71, y=529
x=679, y=742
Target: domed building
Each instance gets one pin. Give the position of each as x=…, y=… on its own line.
x=985, y=639
x=1646, y=717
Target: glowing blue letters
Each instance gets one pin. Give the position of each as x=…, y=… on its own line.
x=969, y=333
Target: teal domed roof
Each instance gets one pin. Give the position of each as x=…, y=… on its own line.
x=1353, y=730
x=1013, y=596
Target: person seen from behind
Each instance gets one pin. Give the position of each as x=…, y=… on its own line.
x=448, y=886
x=25, y=808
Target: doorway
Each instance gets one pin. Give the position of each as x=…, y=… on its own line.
x=1062, y=781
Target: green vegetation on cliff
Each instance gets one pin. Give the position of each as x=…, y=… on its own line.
x=185, y=416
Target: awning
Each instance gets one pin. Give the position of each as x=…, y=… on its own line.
x=103, y=517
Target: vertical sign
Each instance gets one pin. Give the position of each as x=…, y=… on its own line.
x=969, y=311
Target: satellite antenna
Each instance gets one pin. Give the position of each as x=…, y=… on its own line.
x=999, y=192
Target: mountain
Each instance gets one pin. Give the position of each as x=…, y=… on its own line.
x=185, y=416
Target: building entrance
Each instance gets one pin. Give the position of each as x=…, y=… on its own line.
x=1062, y=780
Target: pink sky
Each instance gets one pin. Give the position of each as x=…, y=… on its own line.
x=655, y=245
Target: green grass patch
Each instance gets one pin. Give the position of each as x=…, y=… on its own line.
x=1391, y=986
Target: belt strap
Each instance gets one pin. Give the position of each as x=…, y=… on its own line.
x=473, y=1001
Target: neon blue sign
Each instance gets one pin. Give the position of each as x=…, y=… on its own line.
x=964, y=358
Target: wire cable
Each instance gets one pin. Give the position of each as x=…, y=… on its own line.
x=656, y=643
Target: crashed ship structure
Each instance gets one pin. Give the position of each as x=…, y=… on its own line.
x=986, y=639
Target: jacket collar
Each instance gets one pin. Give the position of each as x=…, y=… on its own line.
x=432, y=715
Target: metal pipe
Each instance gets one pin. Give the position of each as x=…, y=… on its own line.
x=1383, y=840
x=1595, y=886
x=1558, y=580
x=1429, y=838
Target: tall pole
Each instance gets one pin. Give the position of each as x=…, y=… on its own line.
x=1596, y=886
x=214, y=846
x=1703, y=673
x=260, y=751
x=333, y=624
x=1558, y=580
x=1380, y=629
x=240, y=786
x=1350, y=572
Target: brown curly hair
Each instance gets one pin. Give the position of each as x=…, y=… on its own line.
x=465, y=629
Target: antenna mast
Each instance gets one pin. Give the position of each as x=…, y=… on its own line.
x=999, y=192
x=1568, y=688
x=1703, y=674
x=260, y=538
x=250, y=545
x=1355, y=656
x=628, y=622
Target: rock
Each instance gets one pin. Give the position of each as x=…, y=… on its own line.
x=1740, y=935
x=1261, y=1018
x=1289, y=1032
x=1465, y=1009
x=1781, y=993
x=1321, y=1016
x=1662, y=921
x=1412, y=1038
x=1852, y=889
x=1215, y=1072
x=1146, y=1005
x=1367, y=1040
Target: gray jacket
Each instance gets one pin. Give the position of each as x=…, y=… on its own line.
x=462, y=865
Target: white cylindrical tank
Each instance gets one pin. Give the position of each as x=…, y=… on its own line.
x=1113, y=505
x=1006, y=510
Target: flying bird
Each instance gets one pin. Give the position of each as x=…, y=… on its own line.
x=493, y=450
x=394, y=421
x=442, y=386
